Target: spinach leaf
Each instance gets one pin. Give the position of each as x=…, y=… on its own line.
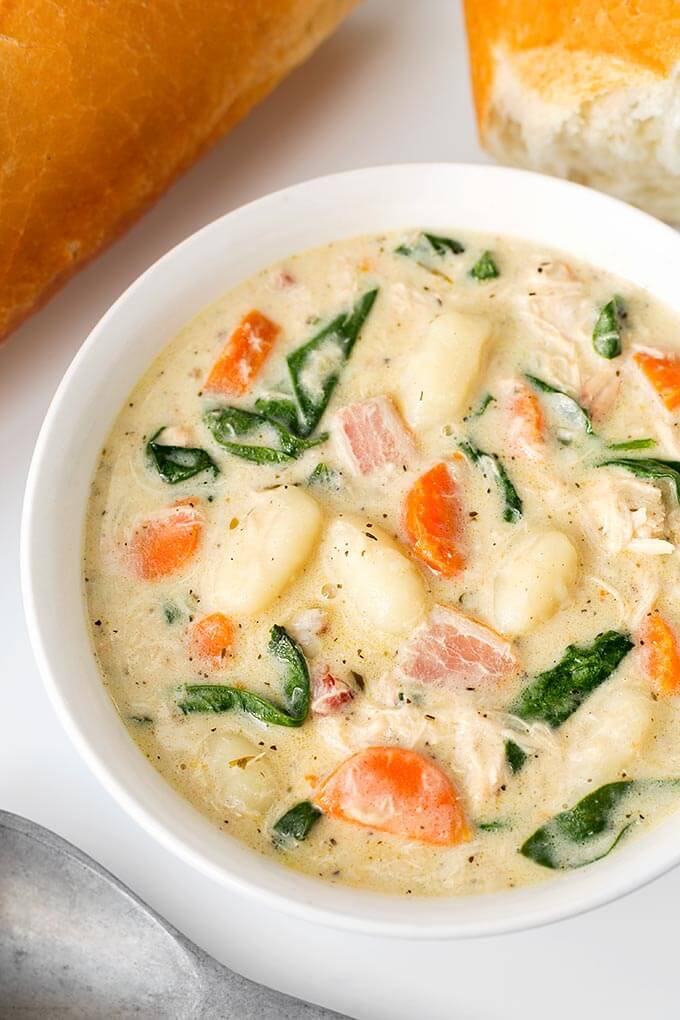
x=633, y=444
x=568, y=408
x=279, y=410
x=485, y=268
x=649, y=468
x=583, y=834
x=325, y=476
x=443, y=245
x=429, y=244
x=227, y=423
x=496, y=826
x=296, y=824
x=224, y=698
x=607, y=329
x=171, y=612
x=515, y=755
x=490, y=463
x=315, y=367
x=552, y=696
x=484, y=403
x=177, y=463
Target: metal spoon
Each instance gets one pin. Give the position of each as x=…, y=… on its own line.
x=76, y=942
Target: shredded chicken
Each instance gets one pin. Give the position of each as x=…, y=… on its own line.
x=305, y=628
x=623, y=512
x=599, y=391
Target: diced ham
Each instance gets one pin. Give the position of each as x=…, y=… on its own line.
x=329, y=693
x=451, y=650
x=371, y=435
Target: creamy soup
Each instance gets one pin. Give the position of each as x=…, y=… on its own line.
x=381, y=557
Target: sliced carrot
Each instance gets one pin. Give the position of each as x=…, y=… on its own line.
x=212, y=637
x=661, y=654
x=244, y=355
x=397, y=791
x=433, y=521
x=165, y=542
x=663, y=374
x=527, y=426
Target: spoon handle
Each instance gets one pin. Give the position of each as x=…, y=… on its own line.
x=73, y=938
x=228, y=996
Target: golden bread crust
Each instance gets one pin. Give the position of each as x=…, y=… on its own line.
x=556, y=38
x=105, y=102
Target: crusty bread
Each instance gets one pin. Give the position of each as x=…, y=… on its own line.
x=585, y=89
x=105, y=102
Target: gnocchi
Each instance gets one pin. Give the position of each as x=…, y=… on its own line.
x=441, y=373
x=260, y=554
x=376, y=579
x=534, y=581
x=238, y=773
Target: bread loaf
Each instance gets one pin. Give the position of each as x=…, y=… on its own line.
x=585, y=89
x=105, y=102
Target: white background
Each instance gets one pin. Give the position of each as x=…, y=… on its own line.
x=391, y=86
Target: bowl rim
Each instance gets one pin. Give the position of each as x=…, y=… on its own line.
x=364, y=912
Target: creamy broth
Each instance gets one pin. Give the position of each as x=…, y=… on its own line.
x=529, y=551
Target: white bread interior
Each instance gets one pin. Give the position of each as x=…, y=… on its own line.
x=596, y=119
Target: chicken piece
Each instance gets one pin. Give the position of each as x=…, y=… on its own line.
x=623, y=512
x=371, y=435
x=306, y=628
x=557, y=301
x=599, y=391
x=607, y=731
x=450, y=649
x=479, y=753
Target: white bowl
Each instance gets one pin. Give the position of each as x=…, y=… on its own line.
x=544, y=210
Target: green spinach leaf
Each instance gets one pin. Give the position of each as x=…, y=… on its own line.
x=491, y=464
x=316, y=366
x=483, y=405
x=633, y=444
x=515, y=755
x=296, y=824
x=648, y=468
x=279, y=410
x=228, y=423
x=583, y=834
x=177, y=463
x=224, y=698
x=607, y=329
x=552, y=696
x=431, y=244
x=485, y=268
x=326, y=476
x=569, y=410
x=496, y=826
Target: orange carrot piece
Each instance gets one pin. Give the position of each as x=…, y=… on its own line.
x=663, y=374
x=212, y=637
x=528, y=426
x=660, y=654
x=163, y=544
x=247, y=350
x=397, y=791
x=433, y=521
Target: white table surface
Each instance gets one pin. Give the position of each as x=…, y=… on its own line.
x=391, y=86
